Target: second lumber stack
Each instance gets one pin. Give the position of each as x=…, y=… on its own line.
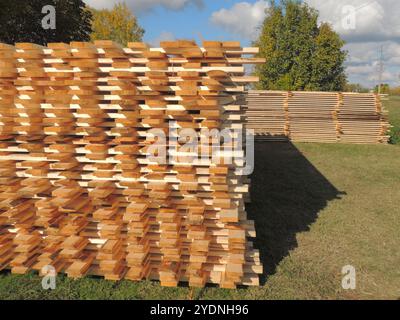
x=330, y=117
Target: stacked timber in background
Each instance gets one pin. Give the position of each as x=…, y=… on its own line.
x=311, y=117
x=267, y=114
x=362, y=119
x=78, y=191
x=330, y=117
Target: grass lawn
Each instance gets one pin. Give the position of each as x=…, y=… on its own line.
x=317, y=208
x=393, y=106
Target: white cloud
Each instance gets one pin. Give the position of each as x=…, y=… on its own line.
x=141, y=6
x=363, y=63
x=366, y=26
x=243, y=18
x=361, y=20
x=365, y=69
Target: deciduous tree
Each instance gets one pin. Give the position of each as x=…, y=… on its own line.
x=118, y=24
x=301, y=55
x=21, y=21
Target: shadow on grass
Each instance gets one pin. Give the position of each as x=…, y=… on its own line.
x=287, y=194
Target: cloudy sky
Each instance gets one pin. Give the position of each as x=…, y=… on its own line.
x=367, y=26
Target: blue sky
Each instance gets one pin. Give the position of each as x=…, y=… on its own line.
x=192, y=19
x=374, y=24
x=189, y=23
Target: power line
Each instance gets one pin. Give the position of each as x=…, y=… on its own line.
x=380, y=69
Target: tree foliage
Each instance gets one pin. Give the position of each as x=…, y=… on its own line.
x=118, y=24
x=394, y=91
x=21, y=21
x=385, y=88
x=355, y=87
x=301, y=55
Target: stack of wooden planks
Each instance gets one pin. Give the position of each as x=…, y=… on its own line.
x=78, y=189
x=362, y=119
x=267, y=114
x=329, y=117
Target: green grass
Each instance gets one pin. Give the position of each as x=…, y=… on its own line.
x=393, y=106
x=317, y=207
